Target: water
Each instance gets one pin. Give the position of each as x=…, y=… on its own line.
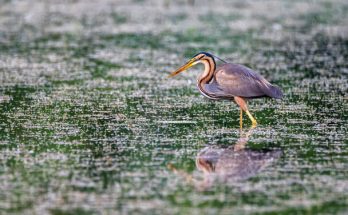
x=89, y=123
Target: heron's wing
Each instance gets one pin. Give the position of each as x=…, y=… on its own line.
x=216, y=92
x=237, y=80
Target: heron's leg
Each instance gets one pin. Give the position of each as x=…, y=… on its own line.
x=253, y=120
x=243, y=105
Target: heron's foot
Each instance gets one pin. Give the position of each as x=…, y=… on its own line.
x=253, y=120
x=254, y=124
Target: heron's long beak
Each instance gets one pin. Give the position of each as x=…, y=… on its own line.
x=190, y=63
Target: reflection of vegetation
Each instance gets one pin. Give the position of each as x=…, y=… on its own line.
x=99, y=68
x=80, y=211
x=312, y=62
x=178, y=17
x=19, y=97
x=118, y=18
x=219, y=19
x=130, y=40
x=330, y=14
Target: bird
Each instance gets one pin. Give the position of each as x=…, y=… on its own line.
x=230, y=81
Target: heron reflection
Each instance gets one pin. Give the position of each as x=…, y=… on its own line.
x=228, y=165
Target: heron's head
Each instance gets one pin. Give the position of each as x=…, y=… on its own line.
x=198, y=58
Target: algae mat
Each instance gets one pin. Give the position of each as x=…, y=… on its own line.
x=89, y=123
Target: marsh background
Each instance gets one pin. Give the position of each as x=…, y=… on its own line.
x=89, y=123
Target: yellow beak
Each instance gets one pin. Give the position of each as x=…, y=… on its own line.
x=183, y=68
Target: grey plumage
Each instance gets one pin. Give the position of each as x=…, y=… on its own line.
x=232, y=80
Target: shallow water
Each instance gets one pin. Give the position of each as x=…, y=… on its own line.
x=90, y=125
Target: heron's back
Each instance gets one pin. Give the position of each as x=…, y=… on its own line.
x=237, y=80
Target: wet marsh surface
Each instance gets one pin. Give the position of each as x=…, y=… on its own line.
x=89, y=123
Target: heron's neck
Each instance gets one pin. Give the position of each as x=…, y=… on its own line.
x=209, y=69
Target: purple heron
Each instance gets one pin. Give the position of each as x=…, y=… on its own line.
x=232, y=82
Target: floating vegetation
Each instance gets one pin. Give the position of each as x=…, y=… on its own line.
x=90, y=125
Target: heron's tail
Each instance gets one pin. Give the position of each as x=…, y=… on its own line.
x=275, y=92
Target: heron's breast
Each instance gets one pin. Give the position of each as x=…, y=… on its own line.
x=205, y=90
x=214, y=91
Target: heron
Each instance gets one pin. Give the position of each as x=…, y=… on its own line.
x=230, y=81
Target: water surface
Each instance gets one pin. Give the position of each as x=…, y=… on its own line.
x=90, y=125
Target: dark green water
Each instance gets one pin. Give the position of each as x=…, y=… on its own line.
x=89, y=123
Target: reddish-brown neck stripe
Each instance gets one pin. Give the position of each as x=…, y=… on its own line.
x=209, y=69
